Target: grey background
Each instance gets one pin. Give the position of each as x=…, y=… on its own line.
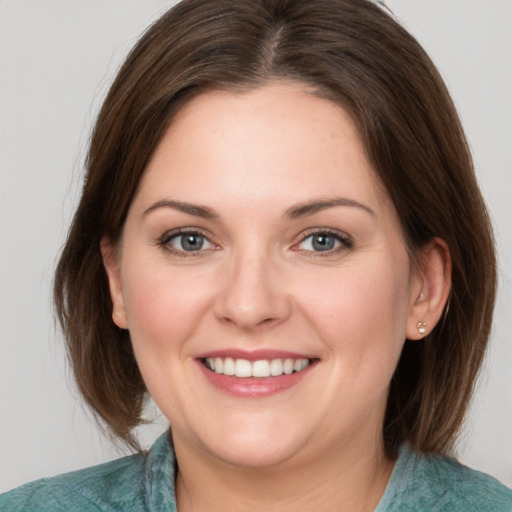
x=57, y=58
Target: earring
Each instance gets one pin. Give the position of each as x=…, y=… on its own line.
x=422, y=327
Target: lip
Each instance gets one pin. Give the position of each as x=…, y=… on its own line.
x=254, y=387
x=255, y=355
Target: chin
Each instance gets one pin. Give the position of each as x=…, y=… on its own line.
x=254, y=455
x=255, y=444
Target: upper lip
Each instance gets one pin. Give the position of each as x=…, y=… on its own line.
x=253, y=355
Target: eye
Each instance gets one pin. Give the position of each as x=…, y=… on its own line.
x=188, y=242
x=324, y=241
x=183, y=242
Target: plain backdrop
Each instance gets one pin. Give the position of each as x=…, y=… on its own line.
x=57, y=58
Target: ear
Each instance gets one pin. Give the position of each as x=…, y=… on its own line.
x=111, y=263
x=430, y=290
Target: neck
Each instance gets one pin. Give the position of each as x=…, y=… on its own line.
x=348, y=479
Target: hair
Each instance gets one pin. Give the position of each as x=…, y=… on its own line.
x=357, y=55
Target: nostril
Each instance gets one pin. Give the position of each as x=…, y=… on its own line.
x=253, y=297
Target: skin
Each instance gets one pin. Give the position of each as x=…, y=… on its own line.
x=259, y=283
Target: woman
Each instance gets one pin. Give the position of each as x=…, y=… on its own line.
x=282, y=241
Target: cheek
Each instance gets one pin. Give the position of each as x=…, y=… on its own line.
x=164, y=305
x=360, y=310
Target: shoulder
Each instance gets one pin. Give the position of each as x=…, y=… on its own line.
x=462, y=485
x=116, y=485
x=437, y=483
x=144, y=481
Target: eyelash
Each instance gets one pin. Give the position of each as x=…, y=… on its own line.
x=165, y=242
x=344, y=241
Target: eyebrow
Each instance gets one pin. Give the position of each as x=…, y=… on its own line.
x=295, y=212
x=192, y=209
x=311, y=207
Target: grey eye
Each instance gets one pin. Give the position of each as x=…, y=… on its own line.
x=323, y=242
x=320, y=242
x=188, y=242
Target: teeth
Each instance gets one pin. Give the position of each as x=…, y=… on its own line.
x=300, y=365
x=243, y=368
x=229, y=366
x=261, y=368
x=288, y=366
x=276, y=367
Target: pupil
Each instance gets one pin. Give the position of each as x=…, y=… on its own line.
x=192, y=242
x=323, y=242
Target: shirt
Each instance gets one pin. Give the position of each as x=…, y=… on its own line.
x=145, y=482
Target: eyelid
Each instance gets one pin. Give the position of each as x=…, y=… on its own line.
x=164, y=241
x=345, y=240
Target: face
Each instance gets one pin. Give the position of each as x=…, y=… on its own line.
x=264, y=280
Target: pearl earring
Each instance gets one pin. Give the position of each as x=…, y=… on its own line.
x=422, y=327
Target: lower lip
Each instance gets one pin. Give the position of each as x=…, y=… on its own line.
x=254, y=387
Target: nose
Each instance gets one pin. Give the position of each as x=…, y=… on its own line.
x=254, y=295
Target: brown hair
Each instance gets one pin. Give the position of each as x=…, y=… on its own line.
x=357, y=55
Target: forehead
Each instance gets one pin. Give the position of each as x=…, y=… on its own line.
x=277, y=143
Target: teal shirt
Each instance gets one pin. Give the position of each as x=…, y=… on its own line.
x=145, y=482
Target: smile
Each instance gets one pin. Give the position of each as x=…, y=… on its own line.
x=261, y=368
